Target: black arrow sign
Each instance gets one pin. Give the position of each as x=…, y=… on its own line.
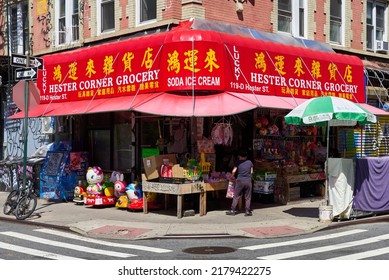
x=27, y=73
x=21, y=60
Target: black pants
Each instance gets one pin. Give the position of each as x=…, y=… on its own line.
x=242, y=187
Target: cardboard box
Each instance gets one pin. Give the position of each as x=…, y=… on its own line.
x=264, y=176
x=152, y=165
x=178, y=171
x=264, y=187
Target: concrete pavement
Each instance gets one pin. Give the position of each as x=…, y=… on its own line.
x=268, y=220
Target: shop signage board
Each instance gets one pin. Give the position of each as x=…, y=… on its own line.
x=21, y=61
x=214, y=62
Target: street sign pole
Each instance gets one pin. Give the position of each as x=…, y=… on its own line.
x=25, y=127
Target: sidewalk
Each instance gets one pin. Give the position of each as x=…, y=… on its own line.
x=268, y=220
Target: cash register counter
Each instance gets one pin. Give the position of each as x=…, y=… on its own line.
x=181, y=189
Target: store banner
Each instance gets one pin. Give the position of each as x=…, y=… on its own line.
x=204, y=61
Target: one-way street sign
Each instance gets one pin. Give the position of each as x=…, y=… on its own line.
x=27, y=73
x=21, y=60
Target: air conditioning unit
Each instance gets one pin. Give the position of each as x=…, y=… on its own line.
x=381, y=46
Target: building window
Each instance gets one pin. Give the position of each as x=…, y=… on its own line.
x=336, y=11
x=75, y=21
x=107, y=15
x=68, y=22
x=18, y=29
x=147, y=10
x=292, y=17
x=375, y=24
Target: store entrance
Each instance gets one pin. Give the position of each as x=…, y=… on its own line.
x=99, y=147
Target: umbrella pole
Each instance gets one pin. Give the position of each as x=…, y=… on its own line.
x=326, y=165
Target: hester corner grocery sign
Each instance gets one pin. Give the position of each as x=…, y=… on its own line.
x=198, y=60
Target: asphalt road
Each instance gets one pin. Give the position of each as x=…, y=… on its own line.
x=368, y=241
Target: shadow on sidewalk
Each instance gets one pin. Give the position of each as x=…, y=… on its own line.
x=308, y=212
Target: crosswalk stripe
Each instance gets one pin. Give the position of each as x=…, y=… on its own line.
x=101, y=242
x=363, y=255
x=325, y=248
x=34, y=252
x=304, y=240
x=66, y=245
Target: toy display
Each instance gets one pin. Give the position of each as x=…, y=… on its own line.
x=120, y=190
x=98, y=192
x=135, y=197
x=79, y=194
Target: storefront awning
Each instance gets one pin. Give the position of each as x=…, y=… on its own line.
x=374, y=110
x=219, y=104
x=194, y=72
x=162, y=103
x=122, y=103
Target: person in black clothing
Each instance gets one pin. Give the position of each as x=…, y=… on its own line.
x=244, y=185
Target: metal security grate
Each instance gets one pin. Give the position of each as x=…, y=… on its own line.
x=369, y=140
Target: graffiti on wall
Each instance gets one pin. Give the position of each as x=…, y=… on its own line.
x=13, y=133
x=44, y=18
x=83, y=7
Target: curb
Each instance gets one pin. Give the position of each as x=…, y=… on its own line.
x=11, y=220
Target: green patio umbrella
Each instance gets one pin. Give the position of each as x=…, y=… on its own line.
x=329, y=111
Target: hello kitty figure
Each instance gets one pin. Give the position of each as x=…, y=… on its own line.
x=94, y=177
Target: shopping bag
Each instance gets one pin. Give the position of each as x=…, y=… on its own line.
x=230, y=189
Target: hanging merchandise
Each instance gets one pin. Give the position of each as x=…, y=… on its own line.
x=222, y=134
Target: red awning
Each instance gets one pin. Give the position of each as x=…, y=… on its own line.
x=162, y=103
x=374, y=110
x=122, y=103
x=220, y=104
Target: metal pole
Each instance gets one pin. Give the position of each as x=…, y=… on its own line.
x=25, y=125
x=326, y=165
x=26, y=103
